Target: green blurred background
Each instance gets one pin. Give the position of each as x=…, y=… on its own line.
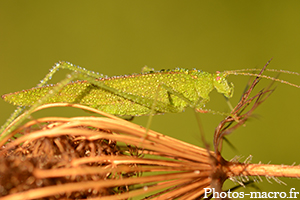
x=120, y=37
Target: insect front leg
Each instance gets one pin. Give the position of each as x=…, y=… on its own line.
x=201, y=104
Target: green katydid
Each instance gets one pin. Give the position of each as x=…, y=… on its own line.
x=150, y=92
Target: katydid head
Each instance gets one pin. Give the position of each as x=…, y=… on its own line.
x=221, y=84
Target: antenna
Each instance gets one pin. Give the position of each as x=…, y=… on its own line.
x=245, y=72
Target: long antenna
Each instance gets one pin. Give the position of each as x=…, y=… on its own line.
x=244, y=72
x=268, y=70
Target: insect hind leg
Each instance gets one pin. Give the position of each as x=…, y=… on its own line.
x=10, y=124
x=77, y=74
x=69, y=66
x=43, y=82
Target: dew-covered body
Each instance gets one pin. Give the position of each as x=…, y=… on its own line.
x=170, y=91
x=154, y=92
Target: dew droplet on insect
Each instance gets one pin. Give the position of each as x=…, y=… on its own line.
x=145, y=188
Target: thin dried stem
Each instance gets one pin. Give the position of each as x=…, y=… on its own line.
x=264, y=170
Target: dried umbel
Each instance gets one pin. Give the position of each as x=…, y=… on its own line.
x=111, y=158
x=97, y=156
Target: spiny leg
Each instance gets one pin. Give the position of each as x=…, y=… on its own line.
x=170, y=104
x=71, y=67
x=197, y=105
x=43, y=82
x=201, y=110
x=13, y=116
x=152, y=111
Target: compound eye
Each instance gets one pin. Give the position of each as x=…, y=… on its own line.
x=218, y=78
